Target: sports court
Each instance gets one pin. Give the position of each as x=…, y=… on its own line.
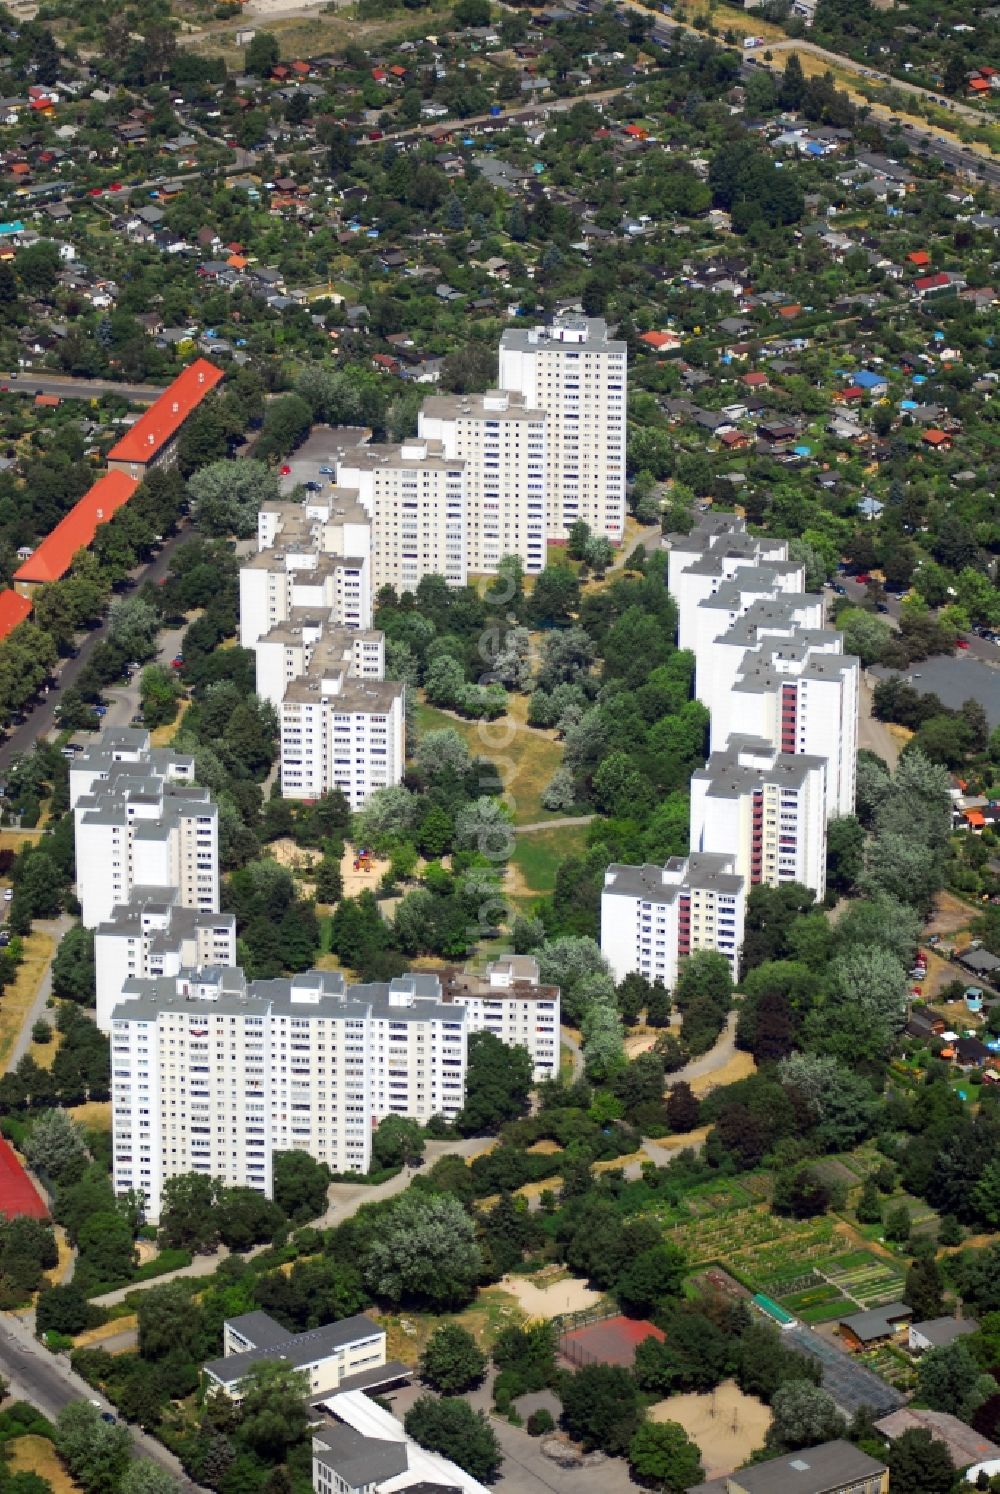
x=608, y=1341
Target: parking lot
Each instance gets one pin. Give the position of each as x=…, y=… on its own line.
x=321, y=450
x=954, y=680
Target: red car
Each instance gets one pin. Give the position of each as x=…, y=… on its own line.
x=961, y=643
x=863, y=579
x=178, y=662
x=97, y=192
x=286, y=470
x=116, y=187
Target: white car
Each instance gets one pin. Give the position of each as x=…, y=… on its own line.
x=8, y=894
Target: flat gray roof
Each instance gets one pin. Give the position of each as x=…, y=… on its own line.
x=295, y=1349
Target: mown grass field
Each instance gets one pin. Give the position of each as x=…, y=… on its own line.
x=525, y=759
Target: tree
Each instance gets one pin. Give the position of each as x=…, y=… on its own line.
x=663, y=1456
x=64, y=1309
x=801, y=1192
x=923, y=1290
x=803, y=1415
x=170, y=1324
x=706, y=974
x=263, y=53
x=497, y=1083
x=95, y=1452
x=107, y=1249
x=228, y=495
x=286, y=422
x=187, y=1220
x=865, y=634
x=425, y=1251
x=652, y=1276
x=601, y=1408
x=133, y=624
x=398, y=1142
x=452, y=1361
x=869, y=1210
x=950, y=1379
x=451, y=1427
x=920, y=1464
x=683, y=1107
x=143, y=1476
x=55, y=1146
x=274, y=1415
x=299, y=1185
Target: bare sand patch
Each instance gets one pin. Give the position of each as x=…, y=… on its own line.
x=296, y=858
x=726, y=1424
x=569, y=1295
x=33, y=1454
x=544, y=1148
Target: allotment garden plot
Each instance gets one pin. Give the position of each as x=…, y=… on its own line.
x=800, y=1264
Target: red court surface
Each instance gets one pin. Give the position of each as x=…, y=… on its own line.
x=18, y=1194
x=610, y=1341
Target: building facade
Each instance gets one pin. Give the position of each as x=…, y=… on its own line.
x=153, y=936
x=510, y=1001
x=140, y=823
x=578, y=375
x=415, y=497
x=315, y=557
x=764, y=809
x=213, y=1074
x=653, y=917
x=502, y=442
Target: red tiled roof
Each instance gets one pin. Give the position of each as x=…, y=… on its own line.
x=658, y=339
x=13, y=610
x=18, y=1194
x=931, y=282
x=164, y=419
x=76, y=531
x=919, y=257
x=936, y=437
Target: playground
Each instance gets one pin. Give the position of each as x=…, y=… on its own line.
x=726, y=1424
x=361, y=870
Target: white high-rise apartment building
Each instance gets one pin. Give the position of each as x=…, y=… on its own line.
x=342, y=725
x=212, y=1075
x=573, y=371
x=502, y=442
x=415, y=496
x=766, y=810
x=314, y=557
x=802, y=697
x=509, y=1001
x=291, y=649
x=718, y=550
x=141, y=824
x=152, y=936
x=765, y=664
x=653, y=917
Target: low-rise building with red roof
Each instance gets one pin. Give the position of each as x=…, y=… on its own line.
x=152, y=441
x=14, y=610
x=18, y=1194
x=54, y=556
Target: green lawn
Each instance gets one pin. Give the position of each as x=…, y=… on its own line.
x=537, y=857
x=525, y=759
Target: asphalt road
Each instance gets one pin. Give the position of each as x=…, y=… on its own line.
x=48, y=1382
x=41, y=720
x=29, y=381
